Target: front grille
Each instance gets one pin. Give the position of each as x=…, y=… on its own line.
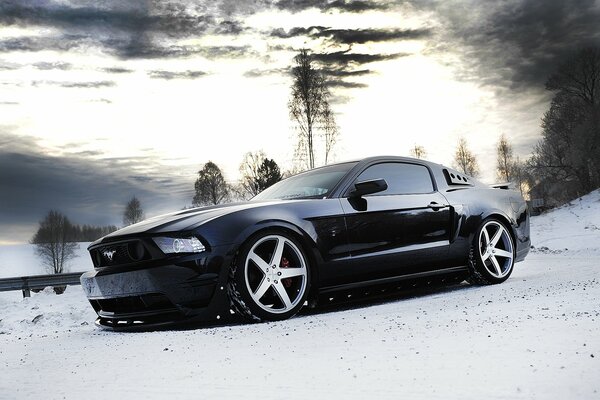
x=119, y=254
x=154, y=302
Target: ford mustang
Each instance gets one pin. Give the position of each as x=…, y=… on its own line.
x=342, y=227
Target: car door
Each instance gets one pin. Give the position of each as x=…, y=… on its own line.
x=402, y=230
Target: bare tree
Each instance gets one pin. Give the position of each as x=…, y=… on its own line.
x=309, y=108
x=133, y=212
x=569, y=150
x=258, y=173
x=211, y=187
x=418, y=152
x=249, y=170
x=506, y=162
x=331, y=133
x=520, y=175
x=54, y=242
x=464, y=160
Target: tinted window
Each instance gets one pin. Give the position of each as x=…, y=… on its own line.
x=316, y=183
x=401, y=178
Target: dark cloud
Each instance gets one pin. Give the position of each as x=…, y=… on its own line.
x=343, y=73
x=117, y=70
x=31, y=44
x=86, y=188
x=161, y=74
x=516, y=45
x=345, y=57
x=227, y=51
x=340, y=5
x=45, y=66
x=353, y=36
x=230, y=28
x=297, y=31
x=345, y=84
x=170, y=19
x=361, y=36
x=343, y=64
x=126, y=30
x=76, y=85
x=258, y=73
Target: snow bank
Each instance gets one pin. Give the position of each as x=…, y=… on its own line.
x=45, y=311
x=572, y=228
x=21, y=260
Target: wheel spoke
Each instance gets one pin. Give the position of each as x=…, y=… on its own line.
x=290, y=272
x=487, y=237
x=485, y=256
x=283, y=295
x=262, y=289
x=496, y=265
x=503, y=253
x=276, y=260
x=497, y=236
x=260, y=263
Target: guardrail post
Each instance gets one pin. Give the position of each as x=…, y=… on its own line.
x=26, y=293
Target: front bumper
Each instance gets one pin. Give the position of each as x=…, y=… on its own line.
x=161, y=295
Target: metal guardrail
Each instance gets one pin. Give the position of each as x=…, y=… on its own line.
x=28, y=283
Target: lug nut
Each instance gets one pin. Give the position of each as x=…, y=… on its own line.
x=279, y=273
x=276, y=281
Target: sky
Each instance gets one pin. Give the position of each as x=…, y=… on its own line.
x=101, y=100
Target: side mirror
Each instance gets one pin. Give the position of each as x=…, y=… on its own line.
x=368, y=187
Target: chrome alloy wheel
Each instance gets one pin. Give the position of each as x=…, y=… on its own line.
x=275, y=273
x=496, y=249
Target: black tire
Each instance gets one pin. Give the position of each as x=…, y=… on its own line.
x=481, y=267
x=245, y=273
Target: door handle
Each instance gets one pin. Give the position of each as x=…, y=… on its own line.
x=436, y=206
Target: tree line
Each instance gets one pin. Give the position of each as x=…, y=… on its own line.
x=56, y=238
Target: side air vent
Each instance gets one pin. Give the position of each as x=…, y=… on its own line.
x=456, y=179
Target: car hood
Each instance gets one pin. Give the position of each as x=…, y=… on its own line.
x=183, y=220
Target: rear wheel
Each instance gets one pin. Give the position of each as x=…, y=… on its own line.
x=270, y=279
x=492, y=253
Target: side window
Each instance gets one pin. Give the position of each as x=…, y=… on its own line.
x=401, y=178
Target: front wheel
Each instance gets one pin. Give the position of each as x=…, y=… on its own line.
x=270, y=279
x=492, y=255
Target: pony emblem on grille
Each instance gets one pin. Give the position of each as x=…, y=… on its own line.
x=109, y=254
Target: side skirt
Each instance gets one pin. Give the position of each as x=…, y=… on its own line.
x=393, y=279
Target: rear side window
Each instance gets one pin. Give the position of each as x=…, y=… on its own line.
x=401, y=178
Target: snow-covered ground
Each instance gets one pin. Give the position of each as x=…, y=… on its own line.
x=574, y=228
x=536, y=336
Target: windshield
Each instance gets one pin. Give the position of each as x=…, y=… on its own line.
x=316, y=183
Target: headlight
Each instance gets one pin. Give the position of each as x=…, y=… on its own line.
x=170, y=245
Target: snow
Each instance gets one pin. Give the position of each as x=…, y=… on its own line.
x=536, y=336
x=21, y=260
x=574, y=227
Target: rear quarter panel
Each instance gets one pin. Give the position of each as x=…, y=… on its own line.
x=473, y=205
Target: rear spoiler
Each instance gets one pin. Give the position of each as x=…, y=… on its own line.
x=505, y=185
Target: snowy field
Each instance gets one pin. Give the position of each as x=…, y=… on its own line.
x=536, y=336
x=21, y=260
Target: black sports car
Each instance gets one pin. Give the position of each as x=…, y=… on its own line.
x=377, y=221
